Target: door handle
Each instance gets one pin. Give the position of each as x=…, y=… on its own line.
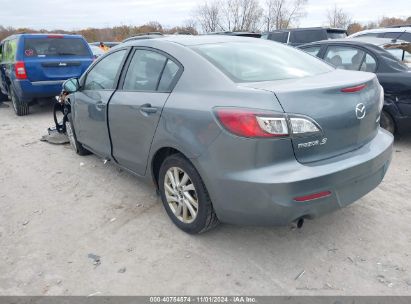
x=100, y=106
x=148, y=109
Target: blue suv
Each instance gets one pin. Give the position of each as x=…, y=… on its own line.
x=34, y=66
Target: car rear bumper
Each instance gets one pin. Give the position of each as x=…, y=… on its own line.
x=265, y=195
x=27, y=90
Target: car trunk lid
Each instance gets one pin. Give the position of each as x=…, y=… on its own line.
x=348, y=120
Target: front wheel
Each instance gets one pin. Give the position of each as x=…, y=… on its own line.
x=21, y=108
x=386, y=122
x=185, y=196
x=77, y=147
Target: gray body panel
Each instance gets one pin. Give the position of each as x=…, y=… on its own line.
x=320, y=98
x=131, y=129
x=90, y=114
x=250, y=181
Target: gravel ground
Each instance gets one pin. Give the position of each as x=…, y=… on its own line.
x=71, y=225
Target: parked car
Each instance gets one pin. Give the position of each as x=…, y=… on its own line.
x=34, y=66
x=97, y=51
x=300, y=36
x=239, y=34
x=266, y=134
x=370, y=56
x=108, y=44
x=397, y=32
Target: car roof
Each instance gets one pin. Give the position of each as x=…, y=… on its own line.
x=187, y=40
x=309, y=28
x=42, y=35
x=228, y=33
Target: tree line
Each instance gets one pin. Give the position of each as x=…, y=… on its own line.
x=250, y=15
x=116, y=33
x=228, y=15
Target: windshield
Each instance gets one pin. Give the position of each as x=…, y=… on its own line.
x=254, y=62
x=52, y=47
x=400, y=51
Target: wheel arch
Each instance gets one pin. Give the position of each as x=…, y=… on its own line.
x=158, y=158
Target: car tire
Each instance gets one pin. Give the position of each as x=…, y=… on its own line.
x=71, y=134
x=386, y=122
x=187, y=201
x=20, y=108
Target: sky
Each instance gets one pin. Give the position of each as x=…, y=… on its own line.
x=78, y=14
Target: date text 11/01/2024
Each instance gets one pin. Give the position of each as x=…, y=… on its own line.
x=205, y=299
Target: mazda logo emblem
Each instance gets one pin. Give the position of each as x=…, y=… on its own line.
x=360, y=111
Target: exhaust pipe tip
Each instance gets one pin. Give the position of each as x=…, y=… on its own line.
x=300, y=223
x=297, y=224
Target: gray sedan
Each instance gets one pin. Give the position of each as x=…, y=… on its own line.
x=234, y=130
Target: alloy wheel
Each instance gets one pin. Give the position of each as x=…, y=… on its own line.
x=181, y=195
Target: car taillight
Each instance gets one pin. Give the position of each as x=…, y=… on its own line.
x=55, y=36
x=20, y=70
x=255, y=123
x=301, y=125
x=354, y=89
x=249, y=123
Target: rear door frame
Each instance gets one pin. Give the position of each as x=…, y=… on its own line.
x=120, y=85
x=359, y=47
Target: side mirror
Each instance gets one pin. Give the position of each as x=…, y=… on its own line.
x=71, y=85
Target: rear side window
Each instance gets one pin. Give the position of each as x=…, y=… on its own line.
x=346, y=58
x=279, y=37
x=307, y=36
x=313, y=50
x=103, y=75
x=55, y=47
x=264, y=61
x=169, y=74
x=9, y=50
x=369, y=64
x=144, y=71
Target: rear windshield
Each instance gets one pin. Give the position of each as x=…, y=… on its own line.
x=52, y=47
x=265, y=61
x=306, y=36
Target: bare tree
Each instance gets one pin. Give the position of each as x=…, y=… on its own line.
x=281, y=14
x=338, y=18
x=229, y=15
x=241, y=15
x=208, y=15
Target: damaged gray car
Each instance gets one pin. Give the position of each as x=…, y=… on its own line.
x=233, y=130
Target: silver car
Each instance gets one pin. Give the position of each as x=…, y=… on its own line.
x=233, y=130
